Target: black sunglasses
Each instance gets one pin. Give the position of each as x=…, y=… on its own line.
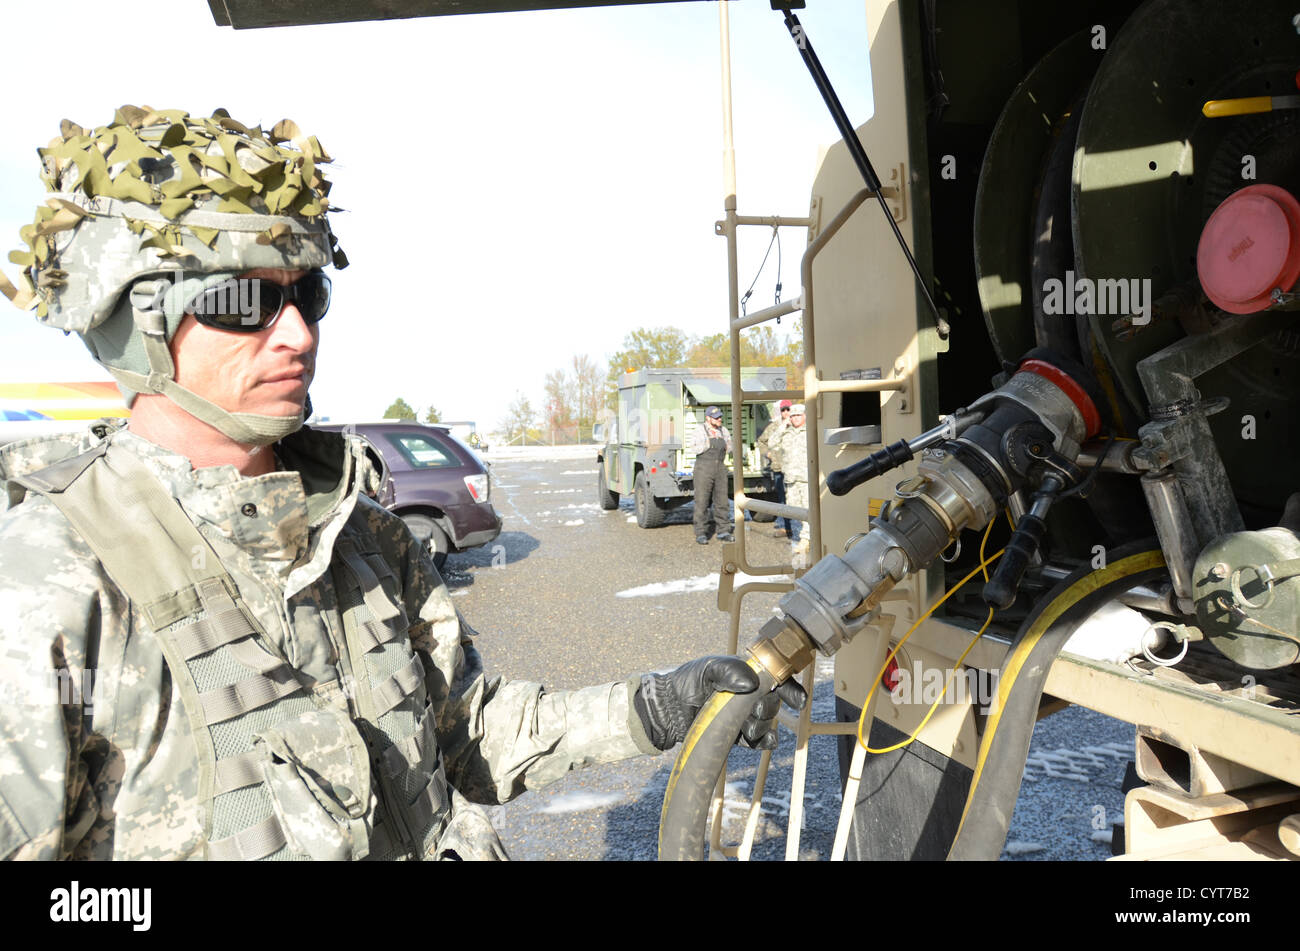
x=249, y=304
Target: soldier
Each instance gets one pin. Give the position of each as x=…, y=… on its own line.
x=213, y=643
x=794, y=462
x=711, y=443
x=769, y=443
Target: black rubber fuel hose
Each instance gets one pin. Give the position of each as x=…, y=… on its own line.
x=683, y=825
x=1000, y=765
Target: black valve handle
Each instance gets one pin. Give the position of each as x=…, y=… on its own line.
x=1000, y=591
x=842, y=481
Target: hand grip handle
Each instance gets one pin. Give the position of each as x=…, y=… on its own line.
x=841, y=481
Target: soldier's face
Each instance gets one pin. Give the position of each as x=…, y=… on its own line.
x=796, y=420
x=266, y=372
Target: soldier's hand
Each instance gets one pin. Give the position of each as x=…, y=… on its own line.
x=759, y=731
x=668, y=703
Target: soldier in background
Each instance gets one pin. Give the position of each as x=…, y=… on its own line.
x=794, y=462
x=769, y=444
x=278, y=670
x=711, y=444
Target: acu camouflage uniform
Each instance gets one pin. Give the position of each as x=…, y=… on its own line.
x=793, y=450
x=769, y=442
x=381, y=722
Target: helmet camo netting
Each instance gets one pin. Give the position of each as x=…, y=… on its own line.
x=163, y=204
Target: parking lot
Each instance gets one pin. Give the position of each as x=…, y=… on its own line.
x=571, y=595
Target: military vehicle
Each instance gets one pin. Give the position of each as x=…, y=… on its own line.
x=1101, y=196
x=647, y=442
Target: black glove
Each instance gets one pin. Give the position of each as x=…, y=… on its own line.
x=668, y=703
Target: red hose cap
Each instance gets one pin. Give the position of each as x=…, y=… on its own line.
x=1250, y=245
x=1067, y=385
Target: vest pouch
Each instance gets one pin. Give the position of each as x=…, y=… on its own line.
x=318, y=774
x=469, y=836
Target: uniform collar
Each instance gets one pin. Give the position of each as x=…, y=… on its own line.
x=286, y=520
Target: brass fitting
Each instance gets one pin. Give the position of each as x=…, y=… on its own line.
x=783, y=650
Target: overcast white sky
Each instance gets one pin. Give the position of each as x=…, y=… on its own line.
x=520, y=187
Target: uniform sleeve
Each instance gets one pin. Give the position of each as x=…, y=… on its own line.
x=499, y=738
x=50, y=606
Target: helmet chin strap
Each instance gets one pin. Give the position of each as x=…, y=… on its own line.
x=246, y=428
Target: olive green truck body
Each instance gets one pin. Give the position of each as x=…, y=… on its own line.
x=647, y=443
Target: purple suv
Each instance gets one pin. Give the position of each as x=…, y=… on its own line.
x=432, y=480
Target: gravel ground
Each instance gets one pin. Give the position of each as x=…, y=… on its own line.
x=1070, y=796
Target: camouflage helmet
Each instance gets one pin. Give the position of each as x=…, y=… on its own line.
x=162, y=205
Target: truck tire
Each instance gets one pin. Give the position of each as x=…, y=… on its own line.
x=608, y=500
x=648, y=512
x=430, y=536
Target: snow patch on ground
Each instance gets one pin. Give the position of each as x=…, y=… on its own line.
x=631, y=518
x=574, y=522
x=737, y=799
x=580, y=802
x=557, y=491
x=1022, y=848
x=1077, y=765
x=689, y=585
x=578, y=472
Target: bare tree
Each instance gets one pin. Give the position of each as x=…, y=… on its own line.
x=559, y=410
x=589, y=392
x=520, y=417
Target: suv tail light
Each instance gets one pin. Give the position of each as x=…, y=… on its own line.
x=479, y=486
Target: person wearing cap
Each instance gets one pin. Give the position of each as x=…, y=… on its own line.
x=794, y=462
x=769, y=442
x=711, y=443
x=213, y=643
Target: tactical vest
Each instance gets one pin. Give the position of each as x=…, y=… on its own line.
x=285, y=770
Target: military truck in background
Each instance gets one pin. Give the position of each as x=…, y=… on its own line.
x=646, y=443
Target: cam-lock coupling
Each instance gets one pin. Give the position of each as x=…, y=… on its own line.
x=839, y=596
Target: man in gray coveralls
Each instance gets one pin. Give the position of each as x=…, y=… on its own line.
x=711, y=445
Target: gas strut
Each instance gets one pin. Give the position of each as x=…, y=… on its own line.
x=850, y=136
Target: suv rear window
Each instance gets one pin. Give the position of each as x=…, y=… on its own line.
x=422, y=452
